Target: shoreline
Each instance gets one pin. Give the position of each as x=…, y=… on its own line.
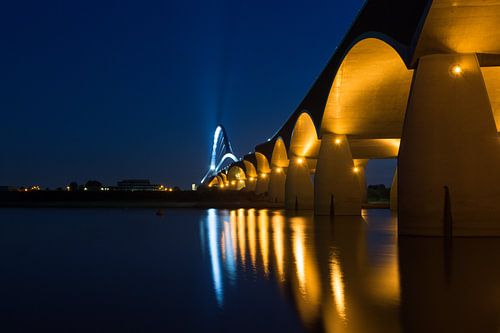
x=180, y=199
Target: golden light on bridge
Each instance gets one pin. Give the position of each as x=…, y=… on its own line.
x=355, y=169
x=300, y=161
x=456, y=70
x=279, y=170
x=338, y=141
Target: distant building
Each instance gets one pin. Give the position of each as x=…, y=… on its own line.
x=93, y=185
x=4, y=188
x=135, y=185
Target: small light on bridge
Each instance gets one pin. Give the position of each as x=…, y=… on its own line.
x=300, y=161
x=356, y=169
x=278, y=170
x=263, y=175
x=338, y=141
x=233, y=183
x=456, y=70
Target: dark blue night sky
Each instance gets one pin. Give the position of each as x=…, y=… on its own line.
x=134, y=89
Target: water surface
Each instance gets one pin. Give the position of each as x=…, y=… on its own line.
x=238, y=271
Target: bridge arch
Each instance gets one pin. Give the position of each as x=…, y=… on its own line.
x=370, y=91
x=304, y=142
x=279, y=157
x=364, y=112
x=303, y=152
x=263, y=170
x=220, y=154
x=236, y=178
x=279, y=165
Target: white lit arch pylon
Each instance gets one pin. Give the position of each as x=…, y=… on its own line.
x=221, y=152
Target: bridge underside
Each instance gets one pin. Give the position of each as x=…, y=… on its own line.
x=432, y=102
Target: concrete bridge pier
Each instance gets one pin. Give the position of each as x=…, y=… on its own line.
x=262, y=185
x=251, y=176
x=449, y=160
x=277, y=185
x=251, y=184
x=336, y=184
x=299, y=192
x=394, y=192
x=360, y=171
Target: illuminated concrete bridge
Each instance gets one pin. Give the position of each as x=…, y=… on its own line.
x=416, y=81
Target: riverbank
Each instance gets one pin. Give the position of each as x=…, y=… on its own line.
x=144, y=199
x=138, y=199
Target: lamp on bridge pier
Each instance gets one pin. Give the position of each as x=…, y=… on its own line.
x=456, y=70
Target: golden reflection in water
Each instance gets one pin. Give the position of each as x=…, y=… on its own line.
x=232, y=223
x=385, y=275
x=337, y=285
x=353, y=275
x=241, y=237
x=279, y=244
x=264, y=239
x=252, y=238
x=298, y=251
x=309, y=285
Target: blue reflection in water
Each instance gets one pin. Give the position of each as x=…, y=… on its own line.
x=214, y=255
x=229, y=246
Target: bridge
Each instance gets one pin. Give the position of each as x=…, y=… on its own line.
x=417, y=81
x=221, y=153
